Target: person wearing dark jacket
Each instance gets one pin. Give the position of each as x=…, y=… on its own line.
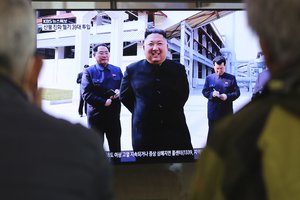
x=221, y=89
x=100, y=86
x=254, y=153
x=155, y=91
x=41, y=157
x=82, y=104
x=260, y=83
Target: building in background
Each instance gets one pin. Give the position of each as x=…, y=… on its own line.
x=66, y=38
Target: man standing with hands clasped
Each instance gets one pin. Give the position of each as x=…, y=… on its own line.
x=155, y=90
x=221, y=89
x=100, y=89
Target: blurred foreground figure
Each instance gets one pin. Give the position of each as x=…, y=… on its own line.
x=41, y=157
x=254, y=154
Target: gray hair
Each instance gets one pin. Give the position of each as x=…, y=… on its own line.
x=17, y=36
x=277, y=22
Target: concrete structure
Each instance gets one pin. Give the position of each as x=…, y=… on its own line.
x=193, y=40
x=182, y=28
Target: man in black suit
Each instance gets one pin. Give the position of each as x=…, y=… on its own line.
x=41, y=157
x=221, y=89
x=100, y=86
x=155, y=90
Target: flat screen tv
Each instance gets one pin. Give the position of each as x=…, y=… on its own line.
x=65, y=39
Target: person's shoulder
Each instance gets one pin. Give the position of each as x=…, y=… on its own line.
x=136, y=66
x=241, y=126
x=174, y=63
x=111, y=66
x=174, y=66
x=229, y=76
x=90, y=68
x=63, y=129
x=264, y=74
x=211, y=76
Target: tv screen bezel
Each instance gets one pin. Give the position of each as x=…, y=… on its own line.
x=241, y=7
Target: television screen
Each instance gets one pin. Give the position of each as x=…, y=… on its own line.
x=65, y=39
